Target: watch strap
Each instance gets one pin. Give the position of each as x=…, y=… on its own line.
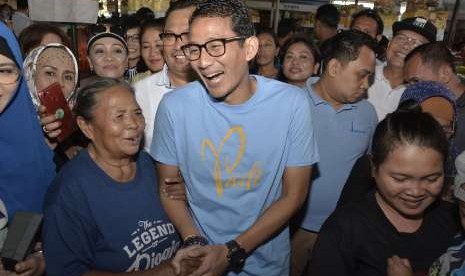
x=236, y=256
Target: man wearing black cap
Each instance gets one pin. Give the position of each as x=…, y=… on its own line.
x=387, y=88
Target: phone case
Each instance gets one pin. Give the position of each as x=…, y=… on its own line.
x=52, y=98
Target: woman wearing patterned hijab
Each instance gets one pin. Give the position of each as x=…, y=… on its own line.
x=45, y=65
x=48, y=64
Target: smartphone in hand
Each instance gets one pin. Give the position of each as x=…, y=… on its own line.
x=54, y=101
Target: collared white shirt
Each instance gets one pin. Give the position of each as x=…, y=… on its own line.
x=149, y=92
x=382, y=96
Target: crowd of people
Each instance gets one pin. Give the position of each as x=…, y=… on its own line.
x=202, y=144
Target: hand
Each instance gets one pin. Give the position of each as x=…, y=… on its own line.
x=50, y=124
x=398, y=267
x=189, y=265
x=34, y=265
x=174, y=188
x=213, y=258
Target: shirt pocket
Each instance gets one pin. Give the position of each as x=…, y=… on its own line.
x=360, y=136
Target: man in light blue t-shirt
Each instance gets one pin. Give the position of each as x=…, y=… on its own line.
x=244, y=145
x=343, y=123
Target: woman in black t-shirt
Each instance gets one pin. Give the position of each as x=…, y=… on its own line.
x=404, y=218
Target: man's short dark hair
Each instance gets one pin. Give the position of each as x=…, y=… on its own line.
x=286, y=25
x=370, y=14
x=345, y=47
x=179, y=5
x=144, y=13
x=434, y=54
x=235, y=9
x=131, y=22
x=328, y=15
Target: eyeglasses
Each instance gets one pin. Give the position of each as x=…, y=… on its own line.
x=171, y=38
x=99, y=28
x=403, y=39
x=215, y=47
x=133, y=38
x=449, y=129
x=9, y=74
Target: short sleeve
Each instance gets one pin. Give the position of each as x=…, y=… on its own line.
x=328, y=252
x=302, y=148
x=163, y=148
x=69, y=235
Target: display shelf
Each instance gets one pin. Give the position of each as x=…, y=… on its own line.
x=285, y=6
x=260, y=5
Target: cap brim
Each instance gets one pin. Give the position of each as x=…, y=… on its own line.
x=106, y=34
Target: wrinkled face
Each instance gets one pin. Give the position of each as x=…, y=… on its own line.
x=108, y=58
x=351, y=80
x=299, y=63
x=151, y=49
x=117, y=126
x=9, y=74
x=401, y=45
x=227, y=74
x=367, y=25
x=55, y=65
x=415, y=71
x=409, y=180
x=133, y=41
x=267, y=50
x=177, y=22
x=51, y=38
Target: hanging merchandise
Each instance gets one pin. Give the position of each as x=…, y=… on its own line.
x=429, y=9
x=69, y=11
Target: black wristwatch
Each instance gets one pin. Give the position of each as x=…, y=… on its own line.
x=236, y=256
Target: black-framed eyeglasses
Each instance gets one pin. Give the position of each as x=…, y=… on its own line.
x=171, y=38
x=214, y=47
x=9, y=74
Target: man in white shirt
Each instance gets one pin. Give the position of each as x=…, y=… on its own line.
x=388, y=87
x=177, y=70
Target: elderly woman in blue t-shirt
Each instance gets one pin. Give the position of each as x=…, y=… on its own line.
x=103, y=212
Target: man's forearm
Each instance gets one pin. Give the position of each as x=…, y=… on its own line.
x=295, y=188
x=176, y=210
